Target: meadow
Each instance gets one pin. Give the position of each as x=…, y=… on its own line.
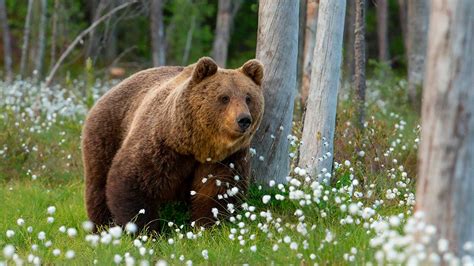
x=363, y=215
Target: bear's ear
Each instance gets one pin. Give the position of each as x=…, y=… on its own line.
x=204, y=68
x=254, y=70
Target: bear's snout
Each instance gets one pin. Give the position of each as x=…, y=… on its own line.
x=244, y=121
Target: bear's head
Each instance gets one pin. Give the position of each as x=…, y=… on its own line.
x=226, y=106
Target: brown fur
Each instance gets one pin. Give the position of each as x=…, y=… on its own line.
x=154, y=136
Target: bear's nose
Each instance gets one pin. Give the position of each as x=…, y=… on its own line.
x=244, y=122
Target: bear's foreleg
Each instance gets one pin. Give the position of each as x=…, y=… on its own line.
x=219, y=188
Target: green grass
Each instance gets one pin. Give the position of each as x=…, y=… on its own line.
x=51, y=153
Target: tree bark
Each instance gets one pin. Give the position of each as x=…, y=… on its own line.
x=349, y=29
x=26, y=39
x=54, y=33
x=360, y=61
x=301, y=43
x=7, y=45
x=189, y=41
x=277, y=49
x=445, y=189
x=382, y=31
x=418, y=20
x=40, y=49
x=320, y=119
x=225, y=17
x=402, y=13
x=93, y=43
x=157, y=33
x=309, y=43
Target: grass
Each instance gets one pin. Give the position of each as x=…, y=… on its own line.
x=40, y=166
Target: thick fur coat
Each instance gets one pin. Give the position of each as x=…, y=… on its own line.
x=167, y=131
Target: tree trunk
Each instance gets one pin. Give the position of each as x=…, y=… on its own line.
x=26, y=39
x=359, y=54
x=157, y=33
x=41, y=39
x=54, y=33
x=92, y=46
x=301, y=43
x=349, y=29
x=225, y=17
x=418, y=20
x=445, y=191
x=402, y=13
x=189, y=41
x=382, y=31
x=309, y=43
x=7, y=46
x=320, y=119
x=277, y=49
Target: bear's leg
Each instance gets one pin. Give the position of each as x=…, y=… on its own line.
x=98, y=151
x=127, y=202
x=219, y=188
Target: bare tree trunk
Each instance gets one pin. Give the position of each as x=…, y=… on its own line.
x=7, y=45
x=26, y=39
x=320, y=119
x=359, y=54
x=418, y=20
x=41, y=39
x=382, y=30
x=157, y=33
x=402, y=13
x=93, y=43
x=445, y=189
x=309, y=43
x=189, y=41
x=225, y=17
x=349, y=29
x=54, y=33
x=277, y=49
x=301, y=43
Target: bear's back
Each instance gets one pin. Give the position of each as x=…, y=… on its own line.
x=114, y=111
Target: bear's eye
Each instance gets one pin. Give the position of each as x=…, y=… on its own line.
x=248, y=100
x=225, y=99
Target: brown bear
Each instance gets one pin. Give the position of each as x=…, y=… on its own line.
x=171, y=133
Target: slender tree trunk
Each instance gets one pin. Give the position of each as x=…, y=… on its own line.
x=26, y=39
x=349, y=32
x=382, y=30
x=418, y=20
x=402, y=13
x=277, y=49
x=301, y=44
x=445, y=191
x=320, y=119
x=7, y=46
x=91, y=51
x=189, y=41
x=54, y=33
x=309, y=43
x=157, y=33
x=359, y=54
x=225, y=17
x=41, y=39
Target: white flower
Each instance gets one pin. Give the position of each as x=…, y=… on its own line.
x=41, y=235
x=253, y=248
x=266, y=199
x=115, y=231
x=117, y=259
x=193, y=192
x=141, y=211
x=50, y=219
x=70, y=254
x=56, y=252
x=347, y=163
x=443, y=245
x=62, y=229
x=205, y=254
x=10, y=233
x=171, y=241
x=20, y=221
x=72, y=232
x=88, y=226
x=51, y=210
x=294, y=245
x=131, y=228
x=8, y=251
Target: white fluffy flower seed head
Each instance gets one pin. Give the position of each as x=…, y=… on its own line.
x=51, y=210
